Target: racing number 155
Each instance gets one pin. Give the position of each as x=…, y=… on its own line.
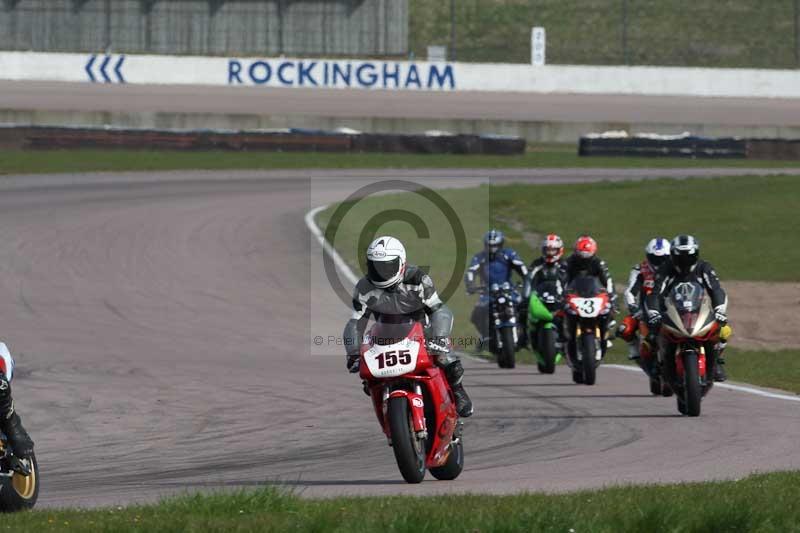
x=392, y=357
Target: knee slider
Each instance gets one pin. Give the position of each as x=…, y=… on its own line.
x=725, y=333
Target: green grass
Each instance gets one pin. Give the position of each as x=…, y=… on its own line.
x=754, y=504
x=742, y=224
x=36, y=161
x=715, y=33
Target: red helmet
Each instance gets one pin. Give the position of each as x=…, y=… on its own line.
x=552, y=248
x=585, y=247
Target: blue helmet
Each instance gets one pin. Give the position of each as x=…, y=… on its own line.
x=493, y=241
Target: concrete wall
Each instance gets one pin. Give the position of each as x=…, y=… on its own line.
x=400, y=75
x=535, y=132
x=207, y=27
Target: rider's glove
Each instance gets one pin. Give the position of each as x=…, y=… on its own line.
x=353, y=363
x=438, y=345
x=720, y=315
x=653, y=318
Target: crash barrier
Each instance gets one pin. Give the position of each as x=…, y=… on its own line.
x=651, y=145
x=687, y=145
x=287, y=140
x=309, y=73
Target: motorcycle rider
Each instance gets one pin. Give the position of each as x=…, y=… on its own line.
x=393, y=287
x=641, y=283
x=10, y=421
x=584, y=262
x=549, y=267
x=686, y=265
x=495, y=264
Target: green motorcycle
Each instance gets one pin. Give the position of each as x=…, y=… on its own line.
x=545, y=305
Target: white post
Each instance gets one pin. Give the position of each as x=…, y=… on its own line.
x=538, y=45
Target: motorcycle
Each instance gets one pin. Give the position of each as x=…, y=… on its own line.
x=546, y=303
x=504, y=328
x=689, y=324
x=412, y=399
x=19, y=476
x=588, y=306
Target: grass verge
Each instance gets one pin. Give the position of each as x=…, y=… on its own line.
x=47, y=161
x=741, y=223
x=756, y=503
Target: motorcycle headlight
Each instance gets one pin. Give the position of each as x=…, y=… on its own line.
x=501, y=300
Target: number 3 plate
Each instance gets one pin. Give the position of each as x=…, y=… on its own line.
x=393, y=360
x=588, y=307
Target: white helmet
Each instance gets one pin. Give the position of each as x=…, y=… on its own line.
x=386, y=262
x=657, y=251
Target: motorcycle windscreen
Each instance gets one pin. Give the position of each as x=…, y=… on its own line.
x=585, y=286
x=391, y=329
x=687, y=300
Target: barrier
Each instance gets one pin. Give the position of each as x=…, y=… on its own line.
x=688, y=146
x=398, y=75
x=289, y=140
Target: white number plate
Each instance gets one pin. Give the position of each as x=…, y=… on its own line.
x=588, y=307
x=393, y=360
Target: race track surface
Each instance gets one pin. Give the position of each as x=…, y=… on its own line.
x=162, y=325
x=55, y=96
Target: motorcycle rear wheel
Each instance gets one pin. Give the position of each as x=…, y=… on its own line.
x=19, y=492
x=454, y=464
x=589, y=350
x=409, y=451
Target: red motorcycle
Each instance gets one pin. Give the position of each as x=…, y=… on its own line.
x=587, y=305
x=690, y=326
x=412, y=400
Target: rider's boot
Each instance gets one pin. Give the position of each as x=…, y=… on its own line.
x=719, y=366
x=11, y=424
x=719, y=348
x=454, y=373
x=633, y=350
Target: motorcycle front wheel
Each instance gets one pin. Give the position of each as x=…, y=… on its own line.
x=507, y=356
x=547, y=345
x=588, y=351
x=409, y=451
x=19, y=492
x=691, y=387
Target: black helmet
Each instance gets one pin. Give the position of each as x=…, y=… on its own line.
x=685, y=251
x=493, y=241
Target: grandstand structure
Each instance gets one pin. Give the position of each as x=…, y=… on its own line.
x=364, y=28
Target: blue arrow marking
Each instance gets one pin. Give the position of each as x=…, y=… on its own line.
x=117, y=69
x=103, y=66
x=88, y=68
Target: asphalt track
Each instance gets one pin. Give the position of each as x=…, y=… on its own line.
x=163, y=328
x=59, y=96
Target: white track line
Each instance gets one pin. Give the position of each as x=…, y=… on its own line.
x=326, y=246
x=738, y=388
x=352, y=278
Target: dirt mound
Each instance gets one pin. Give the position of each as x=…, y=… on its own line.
x=764, y=315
